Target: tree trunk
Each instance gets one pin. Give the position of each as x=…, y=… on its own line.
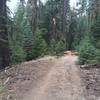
x=64, y=23
x=4, y=47
x=64, y=12
x=34, y=15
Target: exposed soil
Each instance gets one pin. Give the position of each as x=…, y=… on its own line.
x=61, y=83
x=90, y=77
x=51, y=78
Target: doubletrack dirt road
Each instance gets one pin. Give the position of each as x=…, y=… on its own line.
x=62, y=82
x=51, y=78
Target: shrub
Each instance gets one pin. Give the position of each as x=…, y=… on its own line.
x=57, y=47
x=39, y=45
x=28, y=45
x=95, y=30
x=97, y=57
x=87, y=51
x=17, y=54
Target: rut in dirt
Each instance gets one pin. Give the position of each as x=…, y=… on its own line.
x=62, y=82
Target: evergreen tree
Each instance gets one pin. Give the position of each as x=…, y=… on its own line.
x=17, y=38
x=95, y=30
x=4, y=44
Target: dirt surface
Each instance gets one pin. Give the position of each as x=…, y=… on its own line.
x=61, y=83
x=90, y=77
x=50, y=78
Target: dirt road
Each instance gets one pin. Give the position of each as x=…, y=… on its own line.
x=50, y=78
x=62, y=82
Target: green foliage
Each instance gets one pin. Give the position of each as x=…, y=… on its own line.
x=95, y=30
x=17, y=54
x=82, y=27
x=39, y=45
x=87, y=51
x=57, y=47
x=97, y=57
x=27, y=39
x=67, y=33
x=90, y=51
x=16, y=38
x=28, y=46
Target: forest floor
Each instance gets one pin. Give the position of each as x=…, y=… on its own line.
x=50, y=78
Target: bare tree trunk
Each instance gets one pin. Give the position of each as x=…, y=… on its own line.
x=64, y=12
x=64, y=23
x=54, y=28
x=34, y=15
x=94, y=9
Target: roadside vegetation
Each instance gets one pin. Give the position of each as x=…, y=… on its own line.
x=38, y=29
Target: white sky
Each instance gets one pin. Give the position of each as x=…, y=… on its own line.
x=12, y=4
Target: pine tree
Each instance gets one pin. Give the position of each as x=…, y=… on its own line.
x=95, y=30
x=17, y=38
x=33, y=4
x=4, y=44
